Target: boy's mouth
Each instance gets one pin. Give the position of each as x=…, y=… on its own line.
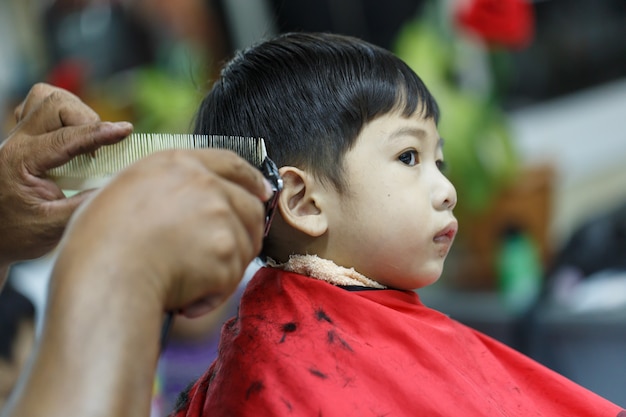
x=447, y=234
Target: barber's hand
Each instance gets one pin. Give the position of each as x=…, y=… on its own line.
x=176, y=229
x=53, y=126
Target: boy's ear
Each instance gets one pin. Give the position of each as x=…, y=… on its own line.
x=299, y=202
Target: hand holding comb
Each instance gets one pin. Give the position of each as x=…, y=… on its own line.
x=94, y=171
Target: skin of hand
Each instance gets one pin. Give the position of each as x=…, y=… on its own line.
x=52, y=126
x=175, y=231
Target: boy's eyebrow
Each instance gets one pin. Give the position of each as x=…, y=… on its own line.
x=408, y=131
x=415, y=132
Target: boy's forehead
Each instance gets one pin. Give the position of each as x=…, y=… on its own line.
x=392, y=129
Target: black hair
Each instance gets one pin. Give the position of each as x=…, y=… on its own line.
x=15, y=308
x=309, y=95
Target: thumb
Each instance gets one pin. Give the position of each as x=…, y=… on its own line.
x=60, y=146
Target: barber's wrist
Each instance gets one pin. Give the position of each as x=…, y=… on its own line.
x=100, y=308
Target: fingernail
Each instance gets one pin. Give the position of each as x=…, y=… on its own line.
x=123, y=125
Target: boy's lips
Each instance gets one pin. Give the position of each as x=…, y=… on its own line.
x=447, y=234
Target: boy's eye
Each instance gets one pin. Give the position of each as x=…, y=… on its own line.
x=443, y=167
x=409, y=158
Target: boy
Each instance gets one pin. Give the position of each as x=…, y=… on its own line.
x=333, y=327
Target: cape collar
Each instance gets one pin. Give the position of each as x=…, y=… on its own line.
x=325, y=270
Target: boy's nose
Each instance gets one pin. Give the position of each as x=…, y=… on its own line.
x=444, y=194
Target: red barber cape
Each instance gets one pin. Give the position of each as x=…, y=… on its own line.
x=303, y=347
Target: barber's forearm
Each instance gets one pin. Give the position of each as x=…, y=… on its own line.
x=99, y=345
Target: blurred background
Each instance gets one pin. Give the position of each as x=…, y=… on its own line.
x=533, y=98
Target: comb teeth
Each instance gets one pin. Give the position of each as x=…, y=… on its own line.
x=85, y=171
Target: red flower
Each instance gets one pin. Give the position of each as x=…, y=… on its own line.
x=69, y=74
x=508, y=23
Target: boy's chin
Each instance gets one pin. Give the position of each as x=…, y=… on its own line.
x=414, y=282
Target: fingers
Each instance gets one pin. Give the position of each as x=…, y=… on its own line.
x=227, y=233
x=250, y=219
x=222, y=218
x=190, y=223
x=58, y=147
x=35, y=97
x=232, y=167
x=58, y=108
x=54, y=126
x=58, y=212
x=201, y=307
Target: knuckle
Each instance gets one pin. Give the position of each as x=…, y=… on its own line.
x=171, y=156
x=55, y=96
x=95, y=129
x=17, y=112
x=239, y=164
x=39, y=86
x=40, y=89
x=232, y=160
x=58, y=140
x=177, y=161
x=220, y=209
x=227, y=246
x=176, y=156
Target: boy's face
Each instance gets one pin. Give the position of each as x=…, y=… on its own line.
x=395, y=223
